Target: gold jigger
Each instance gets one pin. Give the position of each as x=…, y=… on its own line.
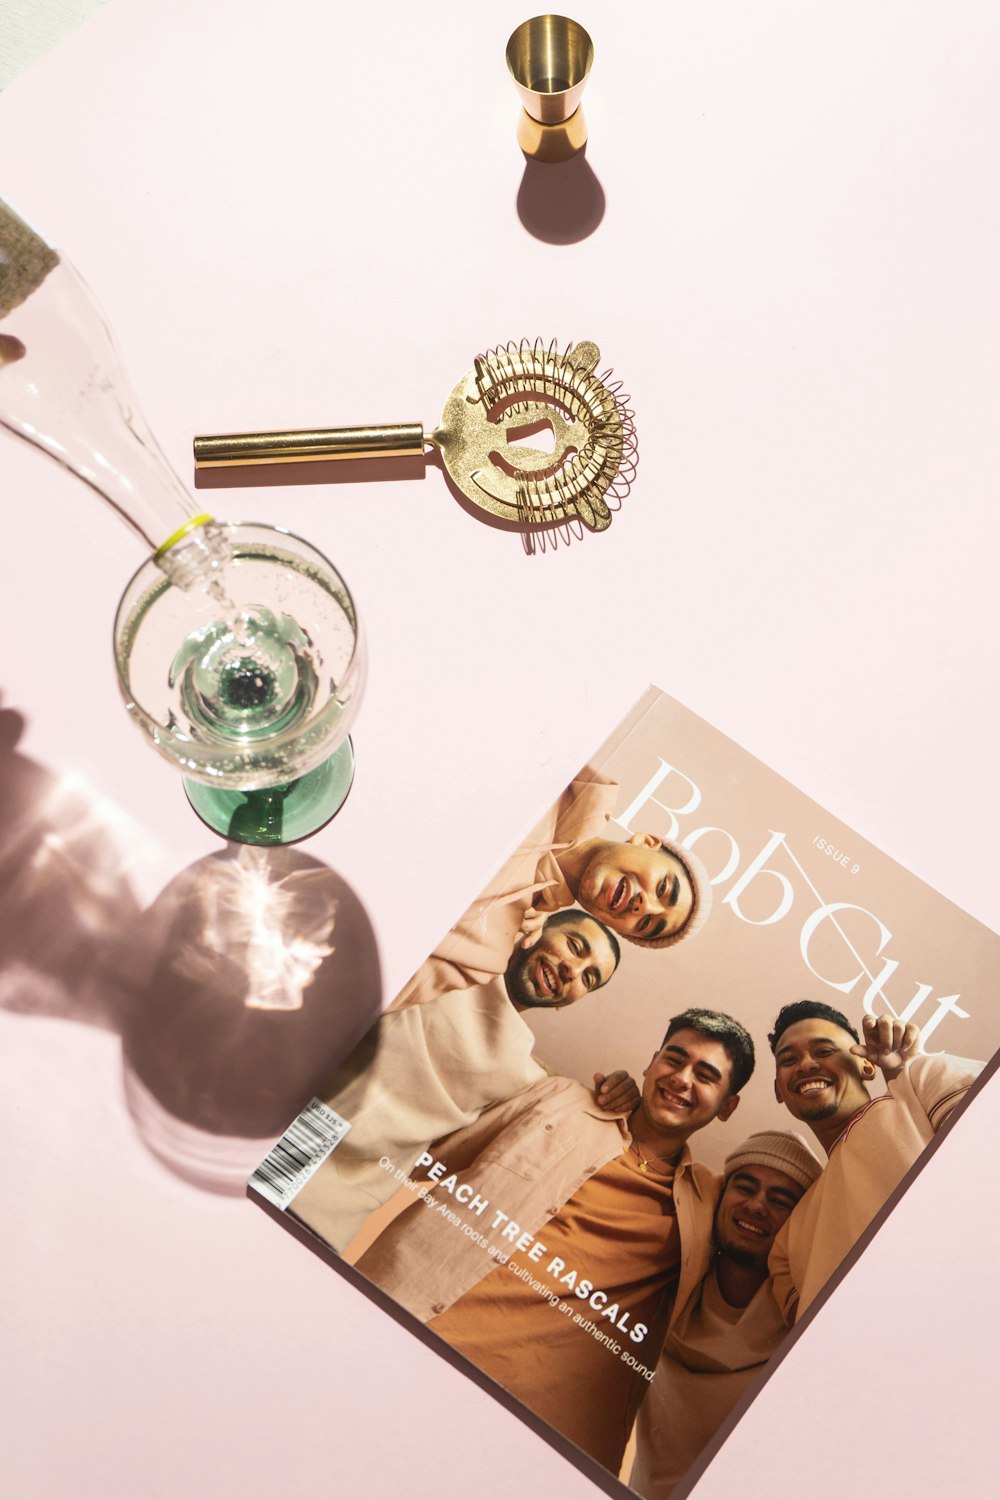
x=549, y=59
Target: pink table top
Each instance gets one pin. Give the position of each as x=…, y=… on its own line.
x=307, y=217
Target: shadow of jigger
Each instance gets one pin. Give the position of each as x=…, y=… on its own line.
x=549, y=59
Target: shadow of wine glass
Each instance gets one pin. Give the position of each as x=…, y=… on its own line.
x=243, y=987
x=237, y=993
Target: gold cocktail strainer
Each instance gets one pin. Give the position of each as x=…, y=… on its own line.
x=510, y=394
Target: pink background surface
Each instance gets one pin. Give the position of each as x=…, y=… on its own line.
x=303, y=217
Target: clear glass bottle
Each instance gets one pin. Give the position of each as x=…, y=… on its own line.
x=63, y=388
x=238, y=647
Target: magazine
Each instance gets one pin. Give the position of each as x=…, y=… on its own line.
x=650, y=1097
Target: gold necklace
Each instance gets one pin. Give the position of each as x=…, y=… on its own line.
x=643, y=1160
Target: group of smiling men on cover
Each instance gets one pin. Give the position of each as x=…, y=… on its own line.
x=666, y=1266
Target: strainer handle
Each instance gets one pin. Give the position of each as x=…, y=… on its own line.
x=225, y=450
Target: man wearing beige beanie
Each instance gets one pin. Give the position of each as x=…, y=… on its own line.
x=731, y=1324
x=648, y=890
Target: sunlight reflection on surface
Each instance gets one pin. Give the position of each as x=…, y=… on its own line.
x=276, y=925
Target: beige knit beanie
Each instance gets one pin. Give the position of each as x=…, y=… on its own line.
x=783, y=1150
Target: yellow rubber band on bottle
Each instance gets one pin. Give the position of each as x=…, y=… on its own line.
x=180, y=534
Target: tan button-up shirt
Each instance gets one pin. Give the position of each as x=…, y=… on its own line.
x=526, y=1156
x=420, y=1073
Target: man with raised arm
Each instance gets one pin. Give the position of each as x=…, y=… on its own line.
x=731, y=1325
x=559, y=1283
x=646, y=889
x=822, y=1072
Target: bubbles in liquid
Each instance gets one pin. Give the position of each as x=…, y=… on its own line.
x=246, y=677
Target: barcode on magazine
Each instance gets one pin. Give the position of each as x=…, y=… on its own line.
x=303, y=1148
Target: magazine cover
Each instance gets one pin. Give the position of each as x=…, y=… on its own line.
x=650, y=1096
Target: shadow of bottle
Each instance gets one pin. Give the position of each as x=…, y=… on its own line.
x=63, y=890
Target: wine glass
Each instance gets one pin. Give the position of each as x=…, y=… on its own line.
x=250, y=686
x=238, y=647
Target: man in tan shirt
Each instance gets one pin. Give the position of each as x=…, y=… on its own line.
x=822, y=1072
x=423, y=1071
x=731, y=1325
x=560, y=1287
